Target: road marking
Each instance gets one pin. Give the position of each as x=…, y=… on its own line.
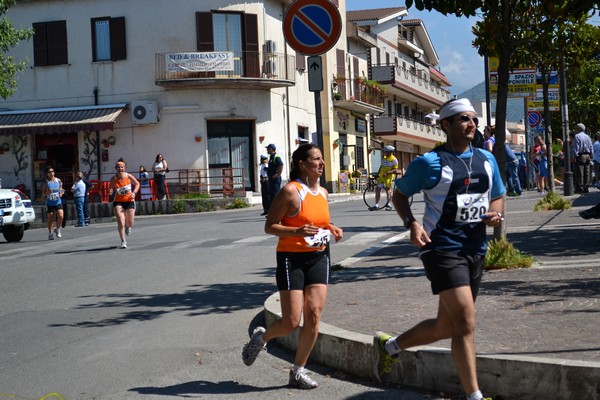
x=373, y=249
x=361, y=238
x=248, y=240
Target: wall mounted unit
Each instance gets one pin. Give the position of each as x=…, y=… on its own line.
x=144, y=112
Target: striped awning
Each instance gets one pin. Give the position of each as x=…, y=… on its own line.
x=57, y=120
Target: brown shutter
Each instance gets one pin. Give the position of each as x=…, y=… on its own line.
x=40, y=48
x=204, y=36
x=118, y=50
x=251, y=49
x=340, y=56
x=204, y=31
x=57, y=43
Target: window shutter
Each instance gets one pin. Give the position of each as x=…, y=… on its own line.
x=251, y=54
x=118, y=50
x=40, y=53
x=204, y=36
x=204, y=31
x=57, y=43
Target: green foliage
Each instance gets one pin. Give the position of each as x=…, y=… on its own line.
x=502, y=254
x=178, y=206
x=192, y=196
x=9, y=38
x=237, y=203
x=552, y=201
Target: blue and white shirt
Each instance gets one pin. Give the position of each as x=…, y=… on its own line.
x=458, y=189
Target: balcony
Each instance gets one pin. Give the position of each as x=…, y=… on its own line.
x=410, y=87
x=247, y=70
x=410, y=130
x=358, y=95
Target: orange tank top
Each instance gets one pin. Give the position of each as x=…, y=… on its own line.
x=123, y=190
x=314, y=209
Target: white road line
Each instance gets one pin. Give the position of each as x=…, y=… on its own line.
x=367, y=252
x=248, y=240
x=361, y=238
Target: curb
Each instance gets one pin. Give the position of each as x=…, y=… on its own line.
x=432, y=368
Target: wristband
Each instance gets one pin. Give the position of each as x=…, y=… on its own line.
x=408, y=221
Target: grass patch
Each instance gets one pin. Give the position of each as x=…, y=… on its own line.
x=502, y=254
x=552, y=201
x=178, y=206
x=192, y=196
x=237, y=203
x=337, y=267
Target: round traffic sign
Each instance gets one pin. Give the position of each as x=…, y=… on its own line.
x=312, y=27
x=534, y=118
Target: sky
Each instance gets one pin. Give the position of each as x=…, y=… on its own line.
x=451, y=38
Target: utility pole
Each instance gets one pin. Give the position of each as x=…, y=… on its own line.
x=564, y=107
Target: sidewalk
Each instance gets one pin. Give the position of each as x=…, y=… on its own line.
x=537, y=329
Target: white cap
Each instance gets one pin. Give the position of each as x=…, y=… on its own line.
x=455, y=107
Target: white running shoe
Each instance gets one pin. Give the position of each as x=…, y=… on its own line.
x=127, y=230
x=57, y=231
x=301, y=380
x=253, y=348
x=123, y=244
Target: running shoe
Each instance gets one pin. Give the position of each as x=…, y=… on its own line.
x=388, y=208
x=374, y=208
x=50, y=237
x=123, y=244
x=301, y=380
x=253, y=348
x=57, y=231
x=383, y=360
x=127, y=230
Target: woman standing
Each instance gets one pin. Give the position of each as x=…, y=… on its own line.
x=538, y=153
x=125, y=187
x=299, y=216
x=53, y=191
x=160, y=168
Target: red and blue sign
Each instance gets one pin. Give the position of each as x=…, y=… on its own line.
x=312, y=27
x=534, y=118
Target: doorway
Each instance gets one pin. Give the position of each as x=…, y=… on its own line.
x=230, y=146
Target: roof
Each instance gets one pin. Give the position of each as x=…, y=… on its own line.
x=375, y=14
x=51, y=120
x=439, y=75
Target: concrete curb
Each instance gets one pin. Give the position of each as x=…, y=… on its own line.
x=431, y=368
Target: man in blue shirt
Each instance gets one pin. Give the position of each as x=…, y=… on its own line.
x=512, y=169
x=463, y=193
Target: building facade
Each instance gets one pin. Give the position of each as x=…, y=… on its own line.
x=208, y=85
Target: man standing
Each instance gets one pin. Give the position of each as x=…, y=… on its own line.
x=583, y=150
x=463, y=193
x=274, y=171
x=512, y=169
x=264, y=183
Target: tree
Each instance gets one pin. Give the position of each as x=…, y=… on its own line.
x=504, y=28
x=9, y=38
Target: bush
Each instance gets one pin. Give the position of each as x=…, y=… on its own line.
x=192, y=196
x=178, y=206
x=552, y=201
x=237, y=203
x=502, y=254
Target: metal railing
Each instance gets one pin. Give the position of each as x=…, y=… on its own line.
x=419, y=84
x=246, y=64
x=357, y=90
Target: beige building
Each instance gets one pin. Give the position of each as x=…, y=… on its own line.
x=209, y=84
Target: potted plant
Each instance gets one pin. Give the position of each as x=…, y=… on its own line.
x=337, y=96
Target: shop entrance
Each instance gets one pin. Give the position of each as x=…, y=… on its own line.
x=58, y=150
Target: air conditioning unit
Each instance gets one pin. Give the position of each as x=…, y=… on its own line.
x=270, y=47
x=144, y=112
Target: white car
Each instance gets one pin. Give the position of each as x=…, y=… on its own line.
x=16, y=213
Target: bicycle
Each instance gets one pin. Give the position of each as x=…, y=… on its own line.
x=369, y=193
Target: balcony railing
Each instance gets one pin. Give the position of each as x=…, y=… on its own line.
x=420, y=133
x=252, y=68
x=358, y=95
x=399, y=80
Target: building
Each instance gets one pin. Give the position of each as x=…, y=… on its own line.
x=208, y=85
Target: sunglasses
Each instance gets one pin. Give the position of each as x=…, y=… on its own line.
x=50, y=172
x=466, y=118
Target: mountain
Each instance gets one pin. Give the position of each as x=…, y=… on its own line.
x=515, y=108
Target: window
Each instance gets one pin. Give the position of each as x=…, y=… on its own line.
x=108, y=39
x=50, y=43
x=236, y=32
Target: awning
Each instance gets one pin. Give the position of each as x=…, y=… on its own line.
x=56, y=120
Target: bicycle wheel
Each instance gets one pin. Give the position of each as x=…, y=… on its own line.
x=369, y=196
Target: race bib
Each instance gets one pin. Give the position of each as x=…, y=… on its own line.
x=470, y=207
x=124, y=190
x=53, y=196
x=320, y=239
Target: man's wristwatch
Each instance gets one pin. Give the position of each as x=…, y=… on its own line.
x=408, y=221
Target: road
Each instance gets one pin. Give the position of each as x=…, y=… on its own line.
x=166, y=317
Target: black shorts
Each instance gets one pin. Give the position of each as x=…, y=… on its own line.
x=52, y=209
x=295, y=271
x=125, y=204
x=450, y=270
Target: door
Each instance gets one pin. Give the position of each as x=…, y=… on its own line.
x=230, y=146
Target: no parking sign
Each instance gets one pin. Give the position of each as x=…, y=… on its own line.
x=312, y=27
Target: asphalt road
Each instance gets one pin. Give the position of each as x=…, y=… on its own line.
x=165, y=318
